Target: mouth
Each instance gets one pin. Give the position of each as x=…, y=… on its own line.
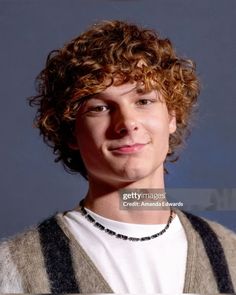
x=128, y=149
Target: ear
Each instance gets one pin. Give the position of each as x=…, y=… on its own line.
x=172, y=121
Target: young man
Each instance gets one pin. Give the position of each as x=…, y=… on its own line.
x=115, y=105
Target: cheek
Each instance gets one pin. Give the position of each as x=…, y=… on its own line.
x=157, y=126
x=89, y=135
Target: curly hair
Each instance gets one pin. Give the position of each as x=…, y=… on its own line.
x=109, y=53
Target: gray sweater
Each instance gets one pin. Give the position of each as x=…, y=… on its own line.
x=48, y=259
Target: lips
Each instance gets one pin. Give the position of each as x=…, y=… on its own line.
x=127, y=149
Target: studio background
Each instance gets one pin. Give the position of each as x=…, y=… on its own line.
x=33, y=187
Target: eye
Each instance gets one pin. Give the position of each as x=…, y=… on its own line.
x=145, y=101
x=98, y=109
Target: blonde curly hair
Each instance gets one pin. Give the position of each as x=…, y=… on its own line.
x=109, y=53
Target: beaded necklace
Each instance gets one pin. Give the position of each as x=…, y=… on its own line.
x=121, y=236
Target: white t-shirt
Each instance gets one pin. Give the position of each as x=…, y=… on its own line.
x=153, y=266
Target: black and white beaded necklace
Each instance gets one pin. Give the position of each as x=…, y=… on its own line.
x=120, y=236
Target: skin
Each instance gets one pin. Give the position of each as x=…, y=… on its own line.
x=123, y=137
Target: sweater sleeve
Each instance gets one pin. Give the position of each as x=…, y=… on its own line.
x=10, y=279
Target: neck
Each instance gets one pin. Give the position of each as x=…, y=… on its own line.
x=104, y=199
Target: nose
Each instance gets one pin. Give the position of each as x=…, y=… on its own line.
x=125, y=121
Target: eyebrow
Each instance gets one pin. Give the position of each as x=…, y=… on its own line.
x=136, y=89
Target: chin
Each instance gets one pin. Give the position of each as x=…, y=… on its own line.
x=132, y=175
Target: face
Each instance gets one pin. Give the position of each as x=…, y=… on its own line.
x=123, y=134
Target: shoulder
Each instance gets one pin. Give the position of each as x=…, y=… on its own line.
x=10, y=250
x=226, y=236
x=211, y=238
x=222, y=232
x=215, y=237
x=209, y=231
x=29, y=239
x=203, y=224
x=20, y=255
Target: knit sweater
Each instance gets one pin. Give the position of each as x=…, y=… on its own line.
x=48, y=259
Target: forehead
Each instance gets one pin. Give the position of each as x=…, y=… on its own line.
x=123, y=90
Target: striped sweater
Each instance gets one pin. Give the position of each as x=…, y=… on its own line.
x=48, y=259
